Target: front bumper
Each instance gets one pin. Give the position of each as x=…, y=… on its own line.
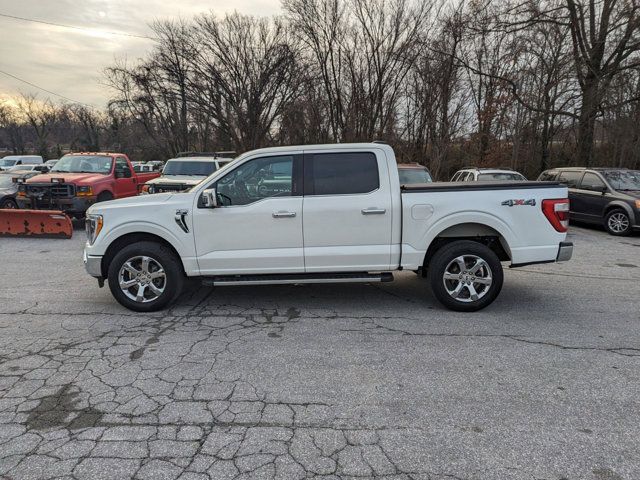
x=73, y=205
x=92, y=264
x=565, y=252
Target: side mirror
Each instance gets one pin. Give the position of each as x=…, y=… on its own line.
x=210, y=198
x=604, y=189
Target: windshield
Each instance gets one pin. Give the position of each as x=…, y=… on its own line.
x=83, y=164
x=7, y=162
x=6, y=181
x=180, y=167
x=623, y=179
x=414, y=175
x=499, y=176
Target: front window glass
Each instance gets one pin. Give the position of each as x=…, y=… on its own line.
x=570, y=178
x=411, y=176
x=623, y=179
x=7, y=162
x=190, y=168
x=83, y=164
x=257, y=179
x=591, y=181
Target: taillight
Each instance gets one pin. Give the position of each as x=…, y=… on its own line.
x=557, y=212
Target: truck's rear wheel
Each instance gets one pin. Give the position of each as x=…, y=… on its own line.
x=145, y=276
x=465, y=276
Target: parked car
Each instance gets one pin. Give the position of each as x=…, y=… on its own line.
x=473, y=174
x=321, y=214
x=604, y=196
x=157, y=164
x=182, y=173
x=79, y=180
x=9, y=187
x=13, y=160
x=413, y=174
x=143, y=167
x=40, y=168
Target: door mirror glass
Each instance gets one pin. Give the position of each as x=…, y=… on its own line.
x=210, y=198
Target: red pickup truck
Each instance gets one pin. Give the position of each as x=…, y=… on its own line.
x=79, y=180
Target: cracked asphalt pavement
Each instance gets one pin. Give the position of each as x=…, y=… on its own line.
x=322, y=381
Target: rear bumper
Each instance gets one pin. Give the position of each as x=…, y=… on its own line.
x=564, y=254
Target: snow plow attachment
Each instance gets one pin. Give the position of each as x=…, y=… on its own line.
x=35, y=223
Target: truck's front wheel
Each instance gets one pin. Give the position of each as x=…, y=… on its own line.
x=465, y=276
x=145, y=276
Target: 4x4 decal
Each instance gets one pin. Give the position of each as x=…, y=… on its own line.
x=519, y=201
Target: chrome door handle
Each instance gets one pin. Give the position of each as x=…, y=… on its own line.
x=373, y=211
x=283, y=214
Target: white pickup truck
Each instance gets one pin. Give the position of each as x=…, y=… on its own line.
x=324, y=214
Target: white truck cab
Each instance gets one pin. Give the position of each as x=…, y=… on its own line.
x=324, y=213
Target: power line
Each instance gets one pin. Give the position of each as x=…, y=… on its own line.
x=75, y=27
x=45, y=90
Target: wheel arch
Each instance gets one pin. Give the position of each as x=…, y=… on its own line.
x=473, y=231
x=129, y=238
x=618, y=205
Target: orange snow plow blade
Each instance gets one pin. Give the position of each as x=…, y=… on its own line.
x=35, y=223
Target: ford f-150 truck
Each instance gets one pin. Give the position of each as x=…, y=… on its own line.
x=320, y=214
x=79, y=180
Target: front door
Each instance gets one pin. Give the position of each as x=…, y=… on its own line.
x=593, y=197
x=347, y=212
x=126, y=182
x=257, y=227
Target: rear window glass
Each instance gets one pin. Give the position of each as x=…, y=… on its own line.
x=185, y=167
x=483, y=177
x=547, y=176
x=343, y=173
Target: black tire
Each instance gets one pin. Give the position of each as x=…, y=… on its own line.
x=161, y=256
x=8, y=203
x=104, y=197
x=486, y=282
x=617, y=222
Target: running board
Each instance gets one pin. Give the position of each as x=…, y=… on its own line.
x=295, y=278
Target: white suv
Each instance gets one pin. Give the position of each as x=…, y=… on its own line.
x=473, y=174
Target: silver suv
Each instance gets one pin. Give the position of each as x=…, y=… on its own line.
x=473, y=174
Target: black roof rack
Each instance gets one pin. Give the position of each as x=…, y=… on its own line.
x=206, y=154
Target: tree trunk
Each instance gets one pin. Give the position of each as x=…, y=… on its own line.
x=587, y=123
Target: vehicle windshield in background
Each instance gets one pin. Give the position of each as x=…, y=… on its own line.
x=83, y=164
x=414, y=175
x=499, y=176
x=7, y=162
x=623, y=179
x=6, y=181
x=198, y=169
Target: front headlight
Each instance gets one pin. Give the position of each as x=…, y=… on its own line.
x=84, y=191
x=93, y=225
x=638, y=204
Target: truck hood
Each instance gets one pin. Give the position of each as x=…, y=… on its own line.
x=142, y=201
x=74, y=178
x=173, y=179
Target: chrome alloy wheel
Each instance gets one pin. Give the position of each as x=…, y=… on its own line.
x=142, y=279
x=618, y=222
x=467, y=278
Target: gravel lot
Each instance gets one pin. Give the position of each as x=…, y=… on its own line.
x=322, y=381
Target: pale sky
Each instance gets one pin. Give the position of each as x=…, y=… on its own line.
x=70, y=62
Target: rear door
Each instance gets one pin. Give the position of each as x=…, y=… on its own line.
x=347, y=211
x=571, y=178
x=126, y=181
